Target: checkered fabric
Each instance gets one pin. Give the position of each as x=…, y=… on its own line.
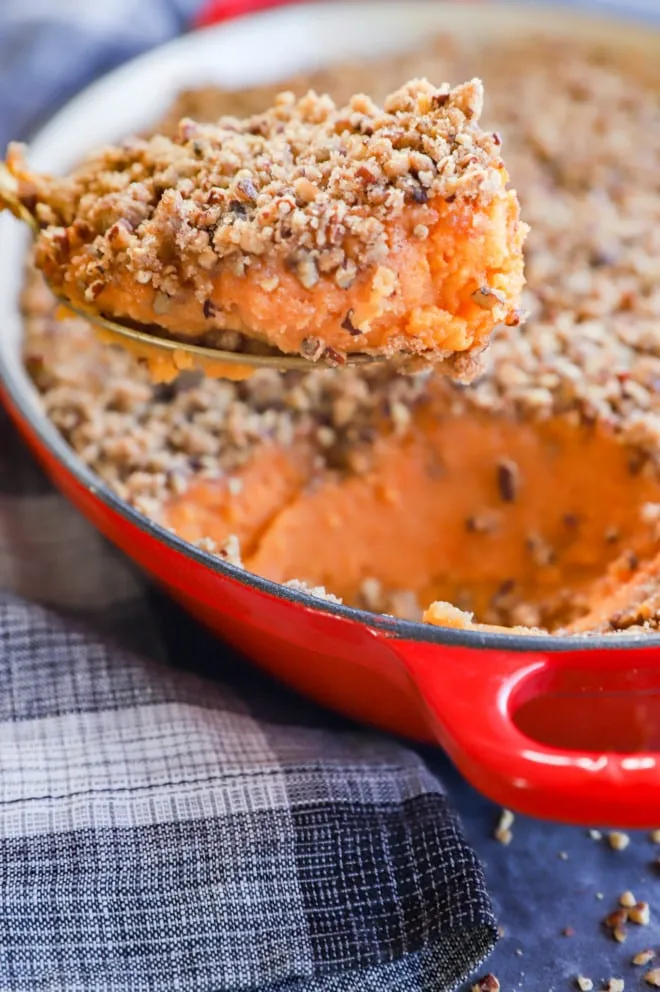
x=170, y=819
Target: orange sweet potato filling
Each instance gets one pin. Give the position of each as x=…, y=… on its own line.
x=462, y=509
x=421, y=298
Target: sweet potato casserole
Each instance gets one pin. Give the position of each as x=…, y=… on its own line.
x=529, y=498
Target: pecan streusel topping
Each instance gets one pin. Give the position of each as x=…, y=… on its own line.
x=299, y=179
x=316, y=229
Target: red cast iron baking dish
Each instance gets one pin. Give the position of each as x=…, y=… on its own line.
x=558, y=728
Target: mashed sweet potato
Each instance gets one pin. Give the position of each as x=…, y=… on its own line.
x=493, y=515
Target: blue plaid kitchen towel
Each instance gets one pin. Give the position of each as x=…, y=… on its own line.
x=161, y=829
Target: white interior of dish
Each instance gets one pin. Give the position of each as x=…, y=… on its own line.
x=256, y=50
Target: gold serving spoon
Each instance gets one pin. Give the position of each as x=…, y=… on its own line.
x=166, y=356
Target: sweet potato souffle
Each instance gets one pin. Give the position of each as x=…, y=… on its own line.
x=527, y=498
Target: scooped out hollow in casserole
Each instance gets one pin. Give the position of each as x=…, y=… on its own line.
x=531, y=498
x=317, y=230
x=490, y=515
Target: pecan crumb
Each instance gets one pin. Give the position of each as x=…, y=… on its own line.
x=643, y=957
x=334, y=358
x=318, y=592
x=488, y=298
x=312, y=348
x=616, y=918
x=503, y=832
x=543, y=554
x=489, y=983
x=516, y=317
x=348, y=325
x=247, y=188
x=650, y=514
x=229, y=550
x=640, y=914
x=584, y=984
x=617, y=840
x=508, y=480
x=652, y=977
x=482, y=523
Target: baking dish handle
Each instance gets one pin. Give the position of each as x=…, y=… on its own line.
x=557, y=735
x=215, y=11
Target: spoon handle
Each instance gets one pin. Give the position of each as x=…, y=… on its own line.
x=10, y=200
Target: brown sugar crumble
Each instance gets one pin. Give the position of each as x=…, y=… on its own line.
x=587, y=170
x=298, y=179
